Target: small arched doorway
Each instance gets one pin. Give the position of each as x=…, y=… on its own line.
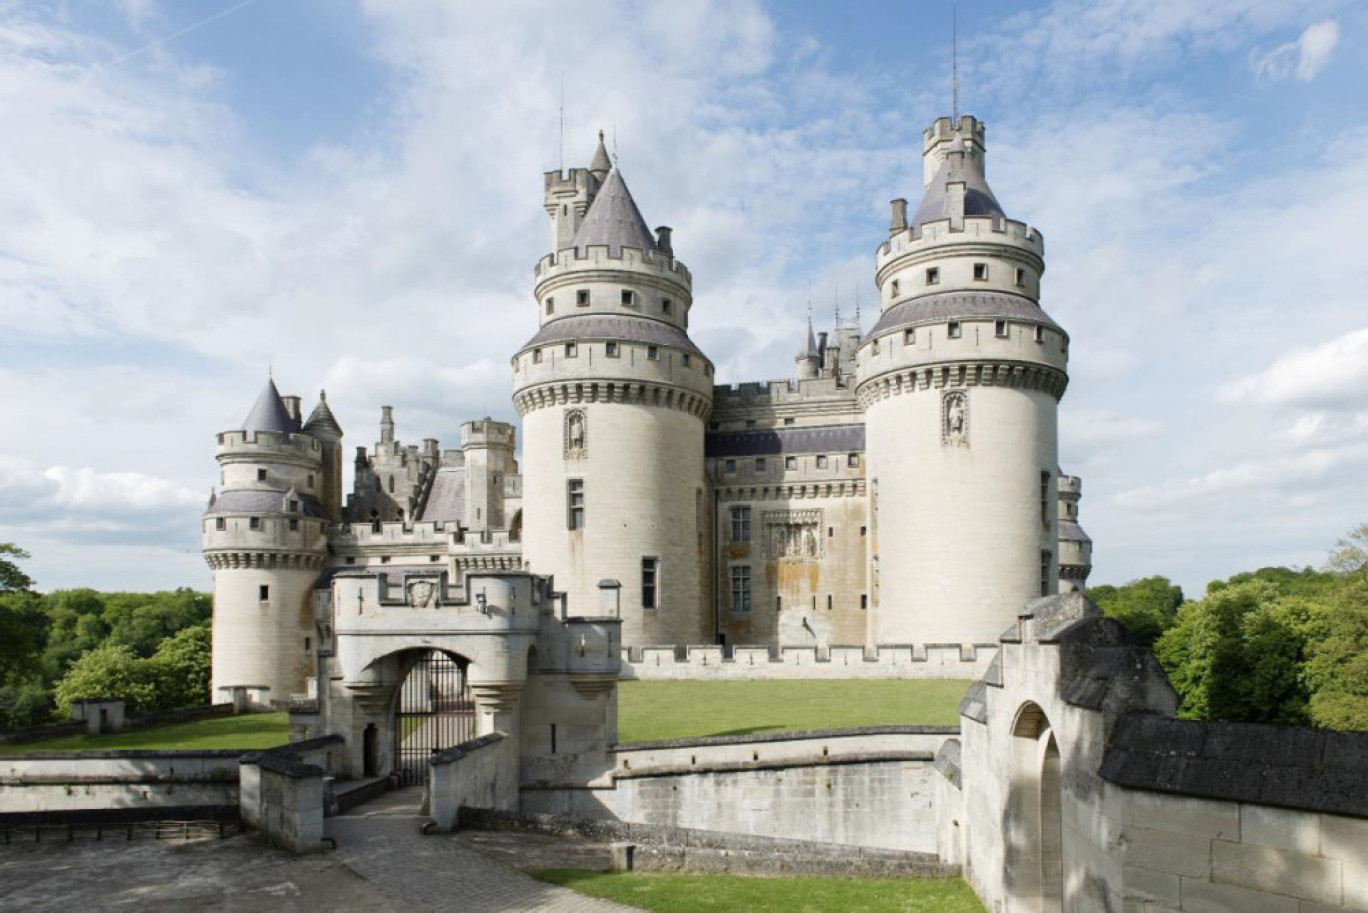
x=433, y=710
x=1035, y=850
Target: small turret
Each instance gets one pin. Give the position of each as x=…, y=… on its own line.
x=601, y=164
x=323, y=426
x=1075, y=546
x=809, y=360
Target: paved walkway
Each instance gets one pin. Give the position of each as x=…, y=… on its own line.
x=380, y=842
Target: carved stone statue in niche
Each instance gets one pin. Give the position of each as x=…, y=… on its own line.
x=422, y=594
x=576, y=434
x=793, y=534
x=955, y=418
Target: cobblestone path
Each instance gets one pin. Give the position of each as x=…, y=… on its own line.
x=380, y=842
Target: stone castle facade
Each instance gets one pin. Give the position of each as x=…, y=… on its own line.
x=901, y=491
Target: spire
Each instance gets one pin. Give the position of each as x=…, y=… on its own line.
x=601, y=164
x=321, y=420
x=269, y=413
x=613, y=219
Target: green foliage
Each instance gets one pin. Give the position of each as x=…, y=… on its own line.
x=670, y=893
x=111, y=670
x=248, y=730
x=1146, y=607
x=181, y=668
x=12, y=578
x=1337, y=668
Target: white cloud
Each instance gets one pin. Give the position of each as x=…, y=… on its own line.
x=1331, y=375
x=1303, y=58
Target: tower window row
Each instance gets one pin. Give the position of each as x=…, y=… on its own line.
x=630, y=299
x=820, y=461
x=255, y=523
x=955, y=330
x=613, y=349
x=981, y=274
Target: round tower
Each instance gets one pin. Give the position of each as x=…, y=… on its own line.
x=960, y=382
x=614, y=399
x=265, y=538
x=1075, y=546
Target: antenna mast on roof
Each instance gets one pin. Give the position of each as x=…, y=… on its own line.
x=838, y=305
x=561, y=156
x=615, y=154
x=954, y=62
x=857, y=304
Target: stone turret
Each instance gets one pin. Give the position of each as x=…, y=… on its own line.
x=960, y=381
x=614, y=398
x=265, y=538
x=1075, y=547
x=809, y=360
x=488, y=448
x=323, y=426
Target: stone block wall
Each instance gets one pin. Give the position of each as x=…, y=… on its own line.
x=931, y=661
x=67, y=781
x=481, y=773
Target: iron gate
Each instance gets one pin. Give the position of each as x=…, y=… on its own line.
x=435, y=711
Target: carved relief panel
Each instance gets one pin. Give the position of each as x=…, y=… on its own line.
x=576, y=434
x=955, y=418
x=795, y=534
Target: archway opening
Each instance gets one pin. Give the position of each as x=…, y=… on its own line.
x=1035, y=849
x=433, y=710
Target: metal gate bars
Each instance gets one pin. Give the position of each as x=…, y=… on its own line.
x=434, y=711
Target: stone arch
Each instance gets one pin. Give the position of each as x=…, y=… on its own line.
x=1034, y=831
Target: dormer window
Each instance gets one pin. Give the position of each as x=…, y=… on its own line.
x=294, y=507
x=981, y=272
x=582, y=297
x=952, y=330
x=933, y=275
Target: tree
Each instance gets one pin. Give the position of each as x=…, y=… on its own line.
x=111, y=670
x=12, y=579
x=1146, y=607
x=1337, y=665
x=181, y=668
x=1350, y=554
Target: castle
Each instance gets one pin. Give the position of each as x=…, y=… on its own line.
x=902, y=489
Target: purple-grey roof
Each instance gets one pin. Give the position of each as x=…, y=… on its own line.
x=321, y=420
x=827, y=439
x=601, y=163
x=257, y=501
x=978, y=197
x=269, y=413
x=446, y=500
x=622, y=327
x=1070, y=531
x=613, y=220
x=944, y=306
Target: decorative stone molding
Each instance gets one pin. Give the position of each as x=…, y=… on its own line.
x=292, y=561
x=1074, y=571
x=422, y=594
x=955, y=418
x=850, y=488
x=576, y=434
x=656, y=395
x=1020, y=375
x=793, y=534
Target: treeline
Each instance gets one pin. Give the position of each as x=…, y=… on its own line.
x=1267, y=646
x=152, y=649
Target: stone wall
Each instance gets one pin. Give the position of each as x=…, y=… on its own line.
x=282, y=792
x=480, y=773
x=63, y=781
x=935, y=661
x=868, y=788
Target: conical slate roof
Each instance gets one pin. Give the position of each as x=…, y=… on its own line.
x=601, y=163
x=321, y=419
x=811, y=349
x=269, y=413
x=978, y=197
x=614, y=220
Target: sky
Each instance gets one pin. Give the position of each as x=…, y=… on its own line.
x=347, y=193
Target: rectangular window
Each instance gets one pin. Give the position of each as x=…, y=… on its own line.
x=790, y=463
x=1000, y=328
x=571, y=350
x=741, y=517
x=1020, y=276
x=536, y=356
x=574, y=503
x=750, y=423
x=864, y=530
x=864, y=600
x=953, y=329
x=1045, y=499
x=788, y=421
x=876, y=347
x=254, y=523
x=582, y=297
x=220, y=523
x=853, y=460
x=981, y=272
x=628, y=298
x=311, y=480
x=729, y=466
x=263, y=593
x=933, y=276
x=821, y=461
x=611, y=350
x=351, y=559
x=294, y=506
x=831, y=532
x=760, y=464
x=550, y=305
x=741, y=589
x=650, y=569
x=778, y=603
x=828, y=602
x=1039, y=334
x=294, y=524
x=665, y=305
x=688, y=359
x=261, y=475
x=893, y=288
x=909, y=337
x=652, y=353
x=1046, y=562
x=308, y=644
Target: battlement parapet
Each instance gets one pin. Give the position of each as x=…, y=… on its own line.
x=488, y=433
x=262, y=445
x=774, y=392
x=945, y=129
x=933, y=237
x=747, y=663
x=559, y=183
x=1070, y=487
x=361, y=535
x=577, y=260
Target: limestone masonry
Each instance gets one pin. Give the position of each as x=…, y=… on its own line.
x=900, y=495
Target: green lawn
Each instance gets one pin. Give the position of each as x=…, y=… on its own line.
x=675, y=710
x=690, y=893
x=251, y=730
